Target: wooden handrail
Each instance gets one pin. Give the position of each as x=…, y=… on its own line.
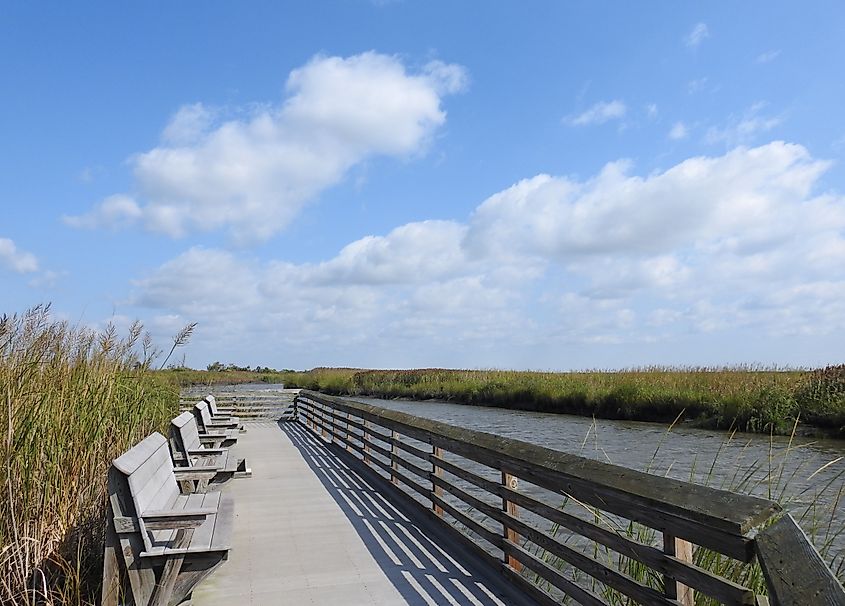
x=686, y=514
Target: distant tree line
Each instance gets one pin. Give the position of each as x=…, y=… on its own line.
x=220, y=367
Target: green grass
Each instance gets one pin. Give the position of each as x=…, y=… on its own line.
x=72, y=400
x=748, y=399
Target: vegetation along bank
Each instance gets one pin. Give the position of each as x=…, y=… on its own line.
x=745, y=399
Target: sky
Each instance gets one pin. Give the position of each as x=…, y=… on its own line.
x=397, y=184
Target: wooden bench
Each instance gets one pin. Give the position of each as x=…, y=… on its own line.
x=207, y=425
x=223, y=414
x=190, y=450
x=163, y=542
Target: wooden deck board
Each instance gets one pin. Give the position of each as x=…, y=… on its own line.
x=308, y=530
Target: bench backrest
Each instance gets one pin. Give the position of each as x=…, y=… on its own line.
x=212, y=404
x=149, y=473
x=184, y=435
x=203, y=413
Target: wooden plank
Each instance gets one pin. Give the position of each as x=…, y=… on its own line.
x=722, y=589
x=164, y=588
x=136, y=456
x=413, y=450
x=223, y=524
x=795, y=572
x=110, y=591
x=512, y=510
x=682, y=550
x=476, y=527
x=596, y=569
x=436, y=472
x=553, y=576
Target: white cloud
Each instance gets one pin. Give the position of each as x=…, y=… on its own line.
x=16, y=260
x=189, y=124
x=768, y=56
x=698, y=200
x=712, y=244
x=601, y=112
x=651, y=110
x=744, y=128
x=678, y=131
x=697, y=35
x=114, y=212
x=252, y=175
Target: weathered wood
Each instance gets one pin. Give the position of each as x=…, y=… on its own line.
x=694, y=576
x=682, y=550
x=164, y=588
x=394, y=437
x=575, y=591
x=795, y=572
x=110, y=592
x=436, y=472
x=160, y=531
x=510, y=508
x=714, y=518
x=559, y=472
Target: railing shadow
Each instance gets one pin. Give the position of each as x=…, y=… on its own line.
x=406, y=547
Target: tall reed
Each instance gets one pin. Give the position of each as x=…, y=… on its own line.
x=73, y=400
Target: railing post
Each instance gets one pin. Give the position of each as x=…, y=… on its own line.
x=509, y=534
x=348, y=439
x=394, y=452
x=436, y=471
x=323, y=422
x=366, y=443
x=682, y=550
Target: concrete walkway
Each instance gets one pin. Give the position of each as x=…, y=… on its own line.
x=309, y=530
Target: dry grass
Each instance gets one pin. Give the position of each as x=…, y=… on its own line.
x=73, y=400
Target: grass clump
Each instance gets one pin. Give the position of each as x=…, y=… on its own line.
x=73, y=399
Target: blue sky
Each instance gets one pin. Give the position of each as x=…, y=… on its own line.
x=405, y=184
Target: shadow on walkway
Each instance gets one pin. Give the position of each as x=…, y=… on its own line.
x=412, y=553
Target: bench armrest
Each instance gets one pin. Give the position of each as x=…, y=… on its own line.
x=164, y=519
x=207, y=451
x=208, y=437
x=195, y=473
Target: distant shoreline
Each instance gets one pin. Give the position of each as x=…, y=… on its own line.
x=750, y=400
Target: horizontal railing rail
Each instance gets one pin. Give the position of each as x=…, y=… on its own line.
x=562, y=525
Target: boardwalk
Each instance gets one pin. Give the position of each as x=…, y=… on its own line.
x=309, y=530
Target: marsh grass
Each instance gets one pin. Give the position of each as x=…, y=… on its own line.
x=760, y=400
x=73, y=399
x=817, y=508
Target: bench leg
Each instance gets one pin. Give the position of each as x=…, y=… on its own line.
x=164, y=588
x=111, y=567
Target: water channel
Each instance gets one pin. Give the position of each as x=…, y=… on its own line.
x=806, y=475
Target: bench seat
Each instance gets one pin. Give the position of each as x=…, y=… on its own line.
x=215, y=533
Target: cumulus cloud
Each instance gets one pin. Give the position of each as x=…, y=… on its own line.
x=253, y=173
x=743, y=192
x=601, y=112
x=698, y=34
x=16, y=260
x=729, y=242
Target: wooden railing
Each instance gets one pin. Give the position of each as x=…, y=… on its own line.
x=561, y=525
